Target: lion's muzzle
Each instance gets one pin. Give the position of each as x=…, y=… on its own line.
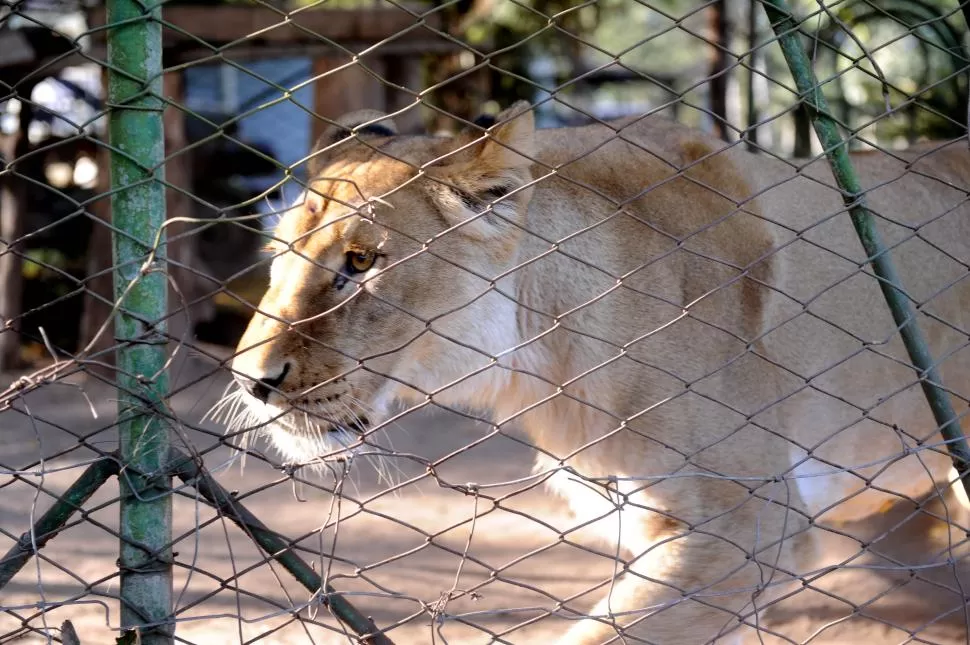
x=260, y=386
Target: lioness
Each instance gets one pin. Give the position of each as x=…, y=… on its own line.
x=681, y=328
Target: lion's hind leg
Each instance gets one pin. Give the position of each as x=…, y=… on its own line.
x=950, y=505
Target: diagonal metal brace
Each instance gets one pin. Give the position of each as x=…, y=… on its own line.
x=186, y=469
x=51, y=522
x=192, y=474
x=786, y=28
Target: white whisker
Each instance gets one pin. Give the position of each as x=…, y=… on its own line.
x=388, y=471
x=216, y=410
x=315, y=435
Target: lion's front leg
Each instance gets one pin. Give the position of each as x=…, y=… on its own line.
x=667, y=600
x=703, y=558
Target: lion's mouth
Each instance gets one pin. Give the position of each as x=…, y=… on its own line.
x=299, y=421
x=358, y=425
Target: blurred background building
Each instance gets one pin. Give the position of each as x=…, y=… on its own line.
x=246, y=86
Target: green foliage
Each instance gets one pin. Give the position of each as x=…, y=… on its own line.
x=920, y=53
x=38, y=263
x=916, y=44
x=337, y=4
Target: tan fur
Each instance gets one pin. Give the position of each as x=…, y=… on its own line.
x=683, y=347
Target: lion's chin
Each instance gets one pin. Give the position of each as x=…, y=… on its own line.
x=300, y=434
x=307, y=446
x=301, y=438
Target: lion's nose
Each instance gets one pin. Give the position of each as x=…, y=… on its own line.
x=261, y=386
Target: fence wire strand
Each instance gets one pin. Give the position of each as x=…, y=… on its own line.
x=569, y=339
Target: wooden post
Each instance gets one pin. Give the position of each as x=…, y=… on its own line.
x=191, y=286
x=98, y=283
x=337, y=92
x=404, y=71
x=803, y=132
x=718, y=84
x=13, y=215
x=188, y=305
x=754, y=62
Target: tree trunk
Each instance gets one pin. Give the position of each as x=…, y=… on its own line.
x=13, y=215
x=404, y=71
x=188, y=297
x=459, y=93
x=718, y=83
x=803, y=132
x=99, y=285
x=336, y=93
x=754, y=60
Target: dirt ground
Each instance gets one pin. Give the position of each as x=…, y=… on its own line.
x=412, y=558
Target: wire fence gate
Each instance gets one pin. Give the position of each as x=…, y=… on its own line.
x=680, y=373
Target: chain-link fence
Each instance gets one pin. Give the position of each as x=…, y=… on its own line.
x=538, y=321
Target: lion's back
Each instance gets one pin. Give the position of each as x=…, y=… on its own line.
x=824, y=320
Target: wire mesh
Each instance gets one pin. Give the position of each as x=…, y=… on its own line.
x=434, y=375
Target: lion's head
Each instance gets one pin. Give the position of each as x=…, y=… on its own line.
x=386, y=278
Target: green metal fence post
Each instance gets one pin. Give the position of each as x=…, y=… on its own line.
x=138, y=213
x=902, y=310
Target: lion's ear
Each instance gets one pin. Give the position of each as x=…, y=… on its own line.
x=361, y=124
x=483, y=183
x=509, y=141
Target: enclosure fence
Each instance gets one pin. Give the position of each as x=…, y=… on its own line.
x=145, y=497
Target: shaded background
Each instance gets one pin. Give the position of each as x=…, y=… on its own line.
x=246, y=111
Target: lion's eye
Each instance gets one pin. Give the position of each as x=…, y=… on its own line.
x=360, y=261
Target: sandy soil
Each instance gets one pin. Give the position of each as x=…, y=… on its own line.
x=413, y=559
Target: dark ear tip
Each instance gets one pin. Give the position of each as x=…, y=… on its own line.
x=367, y=123
x=367, y=131
x=485, y=121
x=377, y=130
